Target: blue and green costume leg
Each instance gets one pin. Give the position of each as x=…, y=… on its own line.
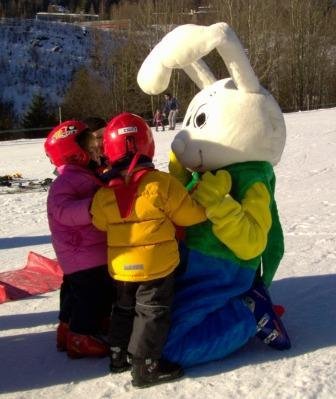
x=209, y=318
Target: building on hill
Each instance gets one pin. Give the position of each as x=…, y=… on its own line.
x=65, y=17
x=108, y=25
x=57, y=8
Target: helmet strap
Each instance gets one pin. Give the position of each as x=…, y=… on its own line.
x=126, y=194
x=132, y=166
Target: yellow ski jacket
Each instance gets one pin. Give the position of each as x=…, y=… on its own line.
x=142, y=245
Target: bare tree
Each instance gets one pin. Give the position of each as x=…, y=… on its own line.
x=86, y=96
x=291, y=45
x=312, y=39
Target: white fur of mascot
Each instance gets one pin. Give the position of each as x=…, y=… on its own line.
x=232, y=135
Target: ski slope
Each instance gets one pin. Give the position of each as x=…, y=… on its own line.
x=30, y=366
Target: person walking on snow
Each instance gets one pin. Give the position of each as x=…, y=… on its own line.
x=158, y=120
x=170, y=109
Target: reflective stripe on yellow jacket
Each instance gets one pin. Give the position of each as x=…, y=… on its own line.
x=142, y=246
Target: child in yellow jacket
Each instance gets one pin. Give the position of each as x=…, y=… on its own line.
x=139, y=210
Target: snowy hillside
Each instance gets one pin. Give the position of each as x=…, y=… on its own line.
x=305, y=284
x=41, y=57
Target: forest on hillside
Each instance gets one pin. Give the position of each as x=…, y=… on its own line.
x=291, y=45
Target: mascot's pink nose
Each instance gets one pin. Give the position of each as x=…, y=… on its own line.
x=178, y=146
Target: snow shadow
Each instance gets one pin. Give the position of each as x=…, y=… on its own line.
x=17, y=242
x=30, y=360
x=310, y=320
x=28, y=320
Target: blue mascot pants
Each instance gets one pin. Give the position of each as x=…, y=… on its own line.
x=209, y=318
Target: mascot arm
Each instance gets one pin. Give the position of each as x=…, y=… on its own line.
x=177, y=170
x=243, y=227
x=98, y=217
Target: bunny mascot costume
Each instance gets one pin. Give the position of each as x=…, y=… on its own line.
x=232, y=135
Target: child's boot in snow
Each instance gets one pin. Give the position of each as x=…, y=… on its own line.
x=148, y=372
x=85, y=346
x=270, y=328
x=61, y=336
x=119, y=360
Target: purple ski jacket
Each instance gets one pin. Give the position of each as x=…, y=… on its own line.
x=77, y=243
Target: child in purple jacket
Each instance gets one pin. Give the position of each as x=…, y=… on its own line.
x=87, y=289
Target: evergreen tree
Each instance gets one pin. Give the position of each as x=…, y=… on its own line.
x=38, y=116
x=6, y=116
x=6, y=119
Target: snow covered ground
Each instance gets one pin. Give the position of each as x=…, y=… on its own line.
x=305, y=284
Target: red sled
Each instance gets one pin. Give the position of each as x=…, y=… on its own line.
x=40, y=275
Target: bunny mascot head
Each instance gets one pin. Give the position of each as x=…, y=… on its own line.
x=232, y=134
x=228, y=121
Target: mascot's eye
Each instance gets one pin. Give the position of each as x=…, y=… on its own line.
x=200, y=119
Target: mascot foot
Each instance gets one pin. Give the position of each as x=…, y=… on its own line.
x=279, y=310
x=270, y=328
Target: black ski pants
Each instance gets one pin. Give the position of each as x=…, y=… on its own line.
x=86, y=299
x=141, y=316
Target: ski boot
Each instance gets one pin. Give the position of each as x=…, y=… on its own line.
x=148, y=372
x=120, y=360
x=79, y=346
x=270, y=328
x=61, y=336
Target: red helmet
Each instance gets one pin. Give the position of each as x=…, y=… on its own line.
x=61, y=145
x=127, y=134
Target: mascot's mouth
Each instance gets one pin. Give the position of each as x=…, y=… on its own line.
x=199, y=167
x=182, y=149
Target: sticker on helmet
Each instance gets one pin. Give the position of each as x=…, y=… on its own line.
x=129, y=129
x=64, y=132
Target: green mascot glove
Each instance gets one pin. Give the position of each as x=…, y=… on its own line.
x=177, y=170
x=212, y=188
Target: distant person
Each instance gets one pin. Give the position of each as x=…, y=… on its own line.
x=158, y=120
x=170, y=110
x=139, y=210
x=87, y=289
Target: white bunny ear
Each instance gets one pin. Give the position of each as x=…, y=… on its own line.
x=233, y=54
x=153, y=77
x=200, y=73
x=184, y=47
